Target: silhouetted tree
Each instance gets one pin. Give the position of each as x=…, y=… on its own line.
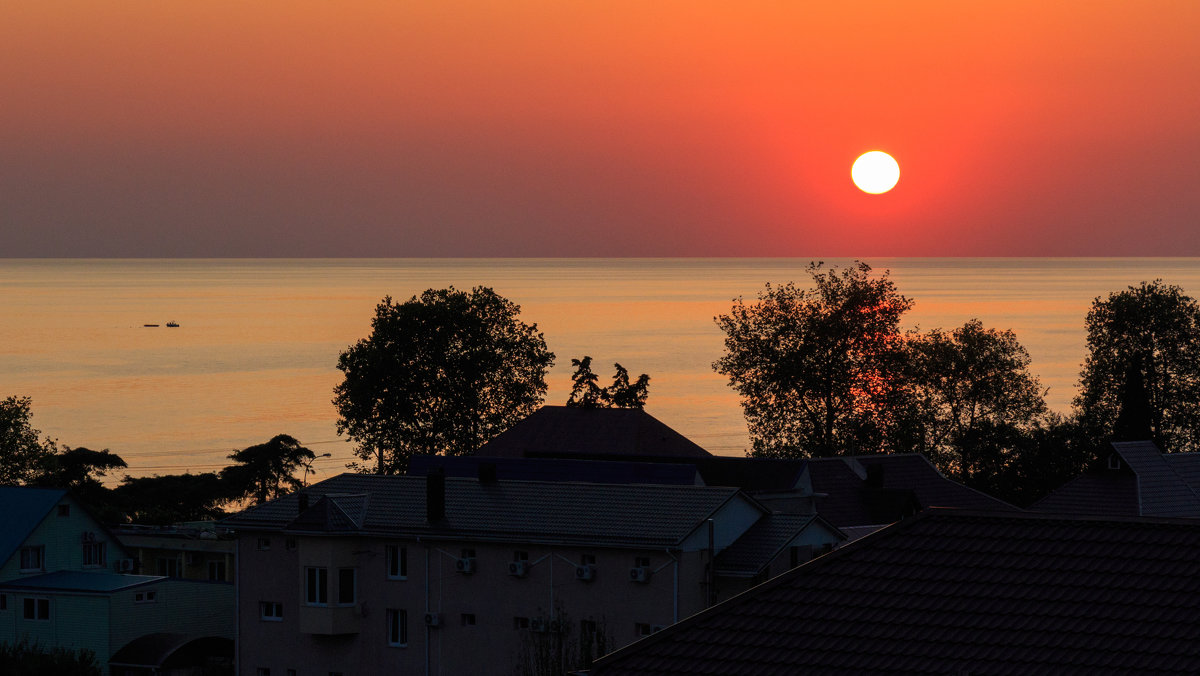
x=172, y=498
x=585, y=393
x=23, y=658
x=441, y=373
x=1154, y=328
x=24, y=455
x=79, y=470
x=974, y=398
x=819, y=370
x=266, y=471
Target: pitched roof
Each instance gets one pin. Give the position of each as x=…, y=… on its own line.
x=560, y=469
x=1107, y=494
x=23, y=509
x=528, y=511
x=749, y=554
x=80, y=581
x=570, y=431
x=851, y=500
x=1161, y=490
x=956, y=592
x=751, y=474
x=1147, y=482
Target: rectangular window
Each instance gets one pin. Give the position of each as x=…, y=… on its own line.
x=264, y=544
x=641, y=561
x=520, y=623
x=467, y=619
x=291, y=672
x=288, y=544
x=397, y=627
x=263, y=671
x=37, y=609
x=3, y=601
x=397, y=562
x=346, y=580
x=145, y=597
x=641, y=629
x=587, y=559
x=64, y=510
x=270, y=611
x=33, y=558
x=95, y=554
x=168, y=566
x=216, y=571
x=520, y=555
x=316, y=586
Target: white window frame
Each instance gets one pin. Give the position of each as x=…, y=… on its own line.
x=27, y=556
x=397, y=625
x=397, y=561
x=270, y=611
x=95, y=554
x=39, y=603
x=224, y=570
x=321, y=586
x=149, y=596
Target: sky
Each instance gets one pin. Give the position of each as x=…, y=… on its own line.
x=298, y=128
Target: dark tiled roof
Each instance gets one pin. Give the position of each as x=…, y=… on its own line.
x=1146, y=482
x=851, y=501
x=1187, y=466
x=568, y=431
x=956, y=592
x=751, y=474
x=1101, y=494
x=765, y=539
x=560, y=469
x=1161, y=491
x=529, y=511
x=80, y=581
x=23, y=509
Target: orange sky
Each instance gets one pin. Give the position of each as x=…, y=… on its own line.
x=305, y=128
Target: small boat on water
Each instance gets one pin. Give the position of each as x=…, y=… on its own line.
x=172, y=325
x=152, y=326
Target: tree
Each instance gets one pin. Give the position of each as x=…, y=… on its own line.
x=443, y=372
x=585, y=393
x=1153, y=329
x=974, y=398
x=818, y=370
x=163, y=500
x=266, y=471
x=23, y=453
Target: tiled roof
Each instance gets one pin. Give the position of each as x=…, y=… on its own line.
x=750, y=553
x=957, y=592
x=80, y=581
x=23, y=509
x=1146, y=482
x=530, y=511
x=1161, y=491
x=851, y=501
x=751, y=474
x=560, y=469
x=1105, y=494
x=569, y=431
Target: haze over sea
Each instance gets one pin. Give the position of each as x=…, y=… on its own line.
x=256, y=351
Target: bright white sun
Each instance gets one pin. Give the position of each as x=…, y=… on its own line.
x=875, y=172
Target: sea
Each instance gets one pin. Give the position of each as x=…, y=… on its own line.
x=257, y=342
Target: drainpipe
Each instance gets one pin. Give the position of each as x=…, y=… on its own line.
x=712, y=566
x=675, y=608
x=428, y=632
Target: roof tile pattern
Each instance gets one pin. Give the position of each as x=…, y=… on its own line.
x=563, y=430
x=1162, y=491
x=641, y=515
x=765, y=539
x=953, y=592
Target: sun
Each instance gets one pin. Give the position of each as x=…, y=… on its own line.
x=875, y=172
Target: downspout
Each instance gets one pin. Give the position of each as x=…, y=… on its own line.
x=237, y=604
x=675, y=607
x=428, y=633
x=712, y=566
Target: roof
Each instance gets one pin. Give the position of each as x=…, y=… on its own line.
x=749, y=554
x=957, y=592
x=571, y=431
x=23, y=509
x=752, y=474
x=164, y=650
x=528, y=511
x=1147, y=482
x=81, y=581
x=560, y=469
x=851, y=501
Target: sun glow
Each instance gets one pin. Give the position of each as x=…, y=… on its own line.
x=875, y=172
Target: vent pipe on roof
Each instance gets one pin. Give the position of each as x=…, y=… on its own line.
x=435, y=495
x=487, y=472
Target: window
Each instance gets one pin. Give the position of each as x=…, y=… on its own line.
x=467, y=619
x=263, y=671
x=641, y=629
x=519, y=555
x=3, y=601
x=397, y=627
x=468, y=553
x=216, y=571
x=316, y=586
x=587, y=559
x=33, y=558
x=95, y=553
x=37, y=609
x=270, y=611
x=64, y=510
x=520, y=623
x=346, y=579
x=799, y=555
x=168, y=566
x=264, y=544
x=397, y=562
x=145, y=597
x=288, y=544
x=641, y=561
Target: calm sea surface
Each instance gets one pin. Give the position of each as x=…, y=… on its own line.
x=256, y=351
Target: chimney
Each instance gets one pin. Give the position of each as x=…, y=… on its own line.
x=303, y=502
x=874, y=476
x=487, y=472
x=435, y=495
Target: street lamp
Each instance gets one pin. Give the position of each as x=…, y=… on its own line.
x=308, y=467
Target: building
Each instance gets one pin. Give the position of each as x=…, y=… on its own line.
x=1134, y=479
x=192, y=551
x=64, y=583
x=363, y=574
x=957, y=592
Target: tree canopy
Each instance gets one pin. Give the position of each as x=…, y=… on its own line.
x=266, y=471
x=24, y=454
x=1153, y=331
x=817, y=369
x=585, y=393
x=443, y=372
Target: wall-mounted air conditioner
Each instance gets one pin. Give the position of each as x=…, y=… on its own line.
x=518, y=568
x=433, y=619
x=465, y=565
x=585, y=573
x=639, y=574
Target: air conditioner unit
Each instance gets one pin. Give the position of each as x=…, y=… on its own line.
x=88, y=536
x=538, y=624
x=124, y=565
x=639, y=574
x=433, y=620
x=465, y=565
x=586, y=572
x=518, y=568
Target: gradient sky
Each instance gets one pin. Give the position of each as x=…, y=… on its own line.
x=552, y=128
